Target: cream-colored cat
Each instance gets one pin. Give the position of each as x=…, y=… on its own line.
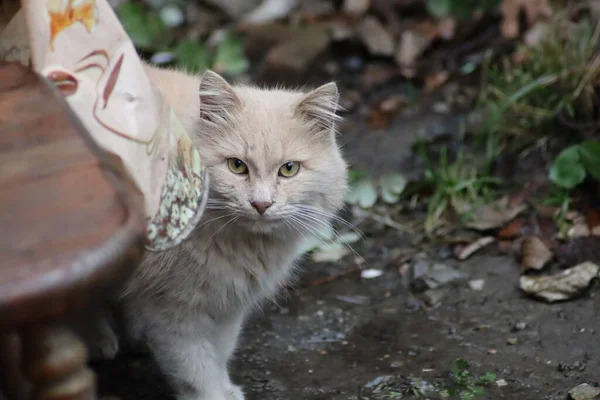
x=276, y=176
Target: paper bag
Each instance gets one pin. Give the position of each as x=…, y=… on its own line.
x=81, y=47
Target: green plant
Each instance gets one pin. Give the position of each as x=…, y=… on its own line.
x=459, y=9
x=464, y=385
x=557, y=75
x=456, y=185
x=149, y=33
x=569, y=169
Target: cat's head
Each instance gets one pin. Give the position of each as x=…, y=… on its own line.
x=272, y=154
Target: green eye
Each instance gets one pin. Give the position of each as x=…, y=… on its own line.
x=237, y=166
x=289, y=169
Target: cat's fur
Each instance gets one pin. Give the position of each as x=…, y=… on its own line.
x=189, y=303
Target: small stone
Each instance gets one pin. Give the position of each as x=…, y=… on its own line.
x=501, y=383
x=519, y=326
x=584, y=392
x=172, y=15
x=378, y=381
x=432, y=297
x=492, y=351
x=476, y=284
x=371, y=273
x=512, y=341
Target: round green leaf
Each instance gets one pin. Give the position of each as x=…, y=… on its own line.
x=589, y=152
x=567, y=170
x=439, y=8
x=363, y=193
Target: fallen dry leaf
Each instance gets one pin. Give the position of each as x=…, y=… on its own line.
x=511, y=230
x=383, y=111
x=374, y=75
x=412, y=44
x=446, y=28
x=495, y=214
x=534, y=254
x=592, y=218
x=562, y=286
x=436, y=80
x=467, y=251
x=511, y=9
x=579, y=227
x=376, y=37
x=356, y=7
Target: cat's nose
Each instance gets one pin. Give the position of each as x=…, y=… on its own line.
x=261, y=206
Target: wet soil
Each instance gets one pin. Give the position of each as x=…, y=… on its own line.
x=335, y=340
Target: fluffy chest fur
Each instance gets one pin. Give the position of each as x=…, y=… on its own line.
x=220, y=270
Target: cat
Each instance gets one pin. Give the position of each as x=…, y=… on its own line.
x=277, y=176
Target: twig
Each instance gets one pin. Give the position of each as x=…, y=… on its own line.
x=331, y=278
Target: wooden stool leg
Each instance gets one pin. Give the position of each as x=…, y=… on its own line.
x=54, y=361
x=12, y=381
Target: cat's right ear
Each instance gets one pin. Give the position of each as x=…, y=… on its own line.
x=217, y=98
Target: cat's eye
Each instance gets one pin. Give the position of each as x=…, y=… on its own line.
x=237, y=166
x=289, y=169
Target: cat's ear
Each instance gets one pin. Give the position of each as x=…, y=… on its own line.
x=318, y=108
x=217, y=98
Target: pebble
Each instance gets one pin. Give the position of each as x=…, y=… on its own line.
x=371, y=273
x=492, y=351
x=512, y=340
x=477, y=284
x=519, y=326
x=501, y=383
x=584, y=392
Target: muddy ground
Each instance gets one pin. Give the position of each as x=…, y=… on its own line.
x=354, y=338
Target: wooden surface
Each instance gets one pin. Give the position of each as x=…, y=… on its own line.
x=71, y=224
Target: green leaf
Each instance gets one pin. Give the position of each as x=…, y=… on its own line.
x=363, y=193
x=589, y=152
x=146, y=30
x=488, y=378
x=461, y=364
x=567, y=170
x=230, y=58
x=192, y=56
x=439, y=8
x=355, y=175
x=392, y=185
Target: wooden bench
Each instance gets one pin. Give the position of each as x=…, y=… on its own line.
x=71, y=232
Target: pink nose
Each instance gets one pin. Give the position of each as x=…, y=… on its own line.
x=261, y=206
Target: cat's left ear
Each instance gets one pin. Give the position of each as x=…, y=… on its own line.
x=318, y=108
x=217, y=98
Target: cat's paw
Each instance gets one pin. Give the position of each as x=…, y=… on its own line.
x=234, y=392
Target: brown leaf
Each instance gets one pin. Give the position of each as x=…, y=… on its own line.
x=374, y=74
x=383, y=111
x=510, y=9
x=470, y=249
x=534, y=254
x=377, y=38
x=412, y=45
x=446, y=28
x=434, y=81
x=511, y=230
x=356, y=7
x=562, y=286
x=495, y=214
x=592, y=218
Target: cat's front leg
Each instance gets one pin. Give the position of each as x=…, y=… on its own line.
x=195, y=359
